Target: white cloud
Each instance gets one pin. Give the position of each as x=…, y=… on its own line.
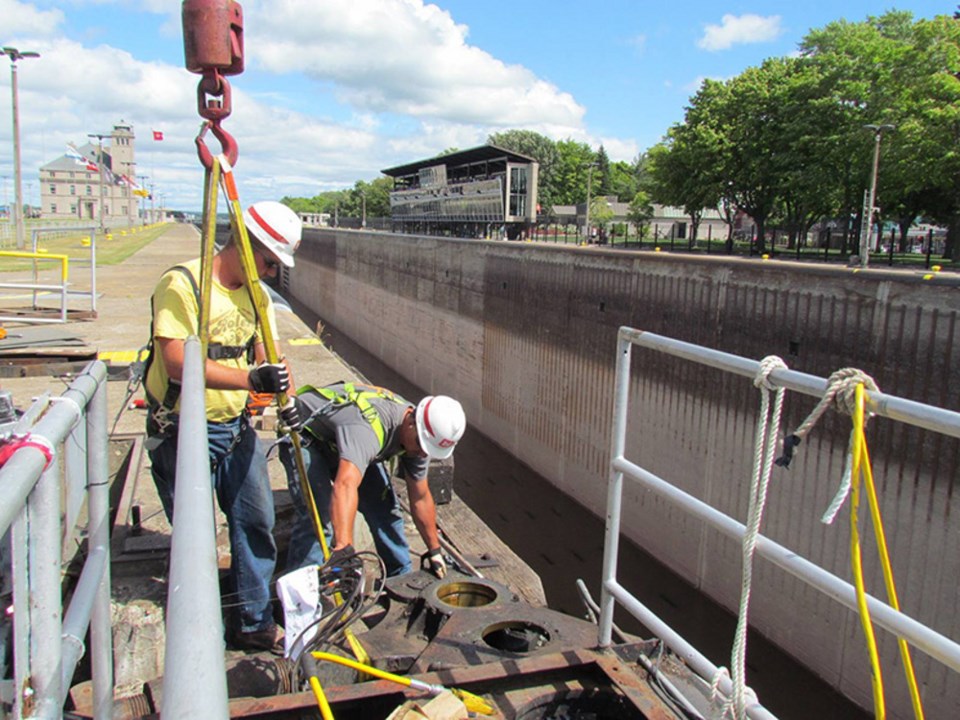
x=25, y=19
x=402, y=56
x=639, y=42
x=408, y=82
x=741, y=30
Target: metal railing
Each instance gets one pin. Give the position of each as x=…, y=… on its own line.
x=916, y=633
x=66, y=443
x=91, y=232
x=36, y=286
x=195, y=680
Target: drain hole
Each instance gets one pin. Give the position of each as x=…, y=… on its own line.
x=576, y=706
x=516, y=636
x=466, y=594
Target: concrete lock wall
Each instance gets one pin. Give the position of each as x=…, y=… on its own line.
x=525, y=335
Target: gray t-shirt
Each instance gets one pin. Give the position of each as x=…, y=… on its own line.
x=354, y=438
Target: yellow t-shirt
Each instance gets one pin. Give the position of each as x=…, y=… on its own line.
x=232, y=323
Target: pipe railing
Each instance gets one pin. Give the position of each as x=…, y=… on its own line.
x=195, y=682
x=48, y=647
x=35, y=286
x=916, y=633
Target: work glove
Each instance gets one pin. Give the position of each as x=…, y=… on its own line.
x=290, y=416
x=344, y=560
x=432, y=561
x=269, y=378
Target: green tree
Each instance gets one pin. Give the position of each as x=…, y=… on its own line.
x=604, y=173
x=574, y=162
x=623, y=181
x=640, y=213
x=691, y=168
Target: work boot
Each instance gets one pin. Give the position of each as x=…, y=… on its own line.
x=269, y=639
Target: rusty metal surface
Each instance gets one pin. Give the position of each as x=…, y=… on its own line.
x=514, y=687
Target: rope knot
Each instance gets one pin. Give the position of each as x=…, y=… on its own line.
x=842, y=388
x=841, y=394
x=767, y=366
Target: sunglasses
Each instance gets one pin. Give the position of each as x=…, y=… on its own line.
x=270, y=263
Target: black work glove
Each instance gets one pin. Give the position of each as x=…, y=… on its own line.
x=268, y=378
x=290, y=416
x=432, y=561
x=343, y=560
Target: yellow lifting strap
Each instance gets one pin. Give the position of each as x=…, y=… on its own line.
x=861, y=468
x=257, y=297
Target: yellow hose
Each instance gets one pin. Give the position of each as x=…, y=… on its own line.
x=322, y=703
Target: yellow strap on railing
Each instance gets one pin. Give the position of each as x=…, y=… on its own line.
x=861, y=467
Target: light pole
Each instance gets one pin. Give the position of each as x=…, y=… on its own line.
x=15, y=55
x=586, y=220
x=100, y=138
x=363, y=217
x=871, y=199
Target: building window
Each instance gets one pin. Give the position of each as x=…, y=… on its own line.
x=53, y=189
x=73, y=209
x=73, y=189
x=53, y=208
x=89, y=190
x=518, y=191
x=52, y=174
x=71, y=174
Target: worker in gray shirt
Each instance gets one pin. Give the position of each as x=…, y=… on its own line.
x=351, y=434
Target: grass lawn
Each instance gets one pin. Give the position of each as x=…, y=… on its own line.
x=113, y=249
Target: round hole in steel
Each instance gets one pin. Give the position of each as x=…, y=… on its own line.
x=466, y=594
x=516, y=636
x=588, y=705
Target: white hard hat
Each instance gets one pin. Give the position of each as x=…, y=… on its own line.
x=276, y=227
x=440, y=424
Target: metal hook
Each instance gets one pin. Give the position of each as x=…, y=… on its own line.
x=228, y=144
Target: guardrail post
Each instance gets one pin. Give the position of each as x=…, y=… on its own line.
x=194, y=673
x=611, y=544
x=98, y=477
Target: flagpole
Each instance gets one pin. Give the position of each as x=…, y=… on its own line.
x=103, y=230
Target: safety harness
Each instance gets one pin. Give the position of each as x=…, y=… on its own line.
x=350, y=395
x=161, y=409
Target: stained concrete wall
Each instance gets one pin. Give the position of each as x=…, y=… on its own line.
x=524, y=335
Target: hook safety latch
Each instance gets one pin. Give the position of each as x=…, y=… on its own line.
x=228, y=144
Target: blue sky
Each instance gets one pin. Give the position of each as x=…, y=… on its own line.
x=336, y=90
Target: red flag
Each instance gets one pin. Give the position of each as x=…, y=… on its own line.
x=158, y=135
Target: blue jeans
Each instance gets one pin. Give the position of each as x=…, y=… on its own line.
x=377, y=503
x=239, y=470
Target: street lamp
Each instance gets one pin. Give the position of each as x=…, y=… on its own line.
x=586, y=219
x=871, y=200
x=15, y=55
